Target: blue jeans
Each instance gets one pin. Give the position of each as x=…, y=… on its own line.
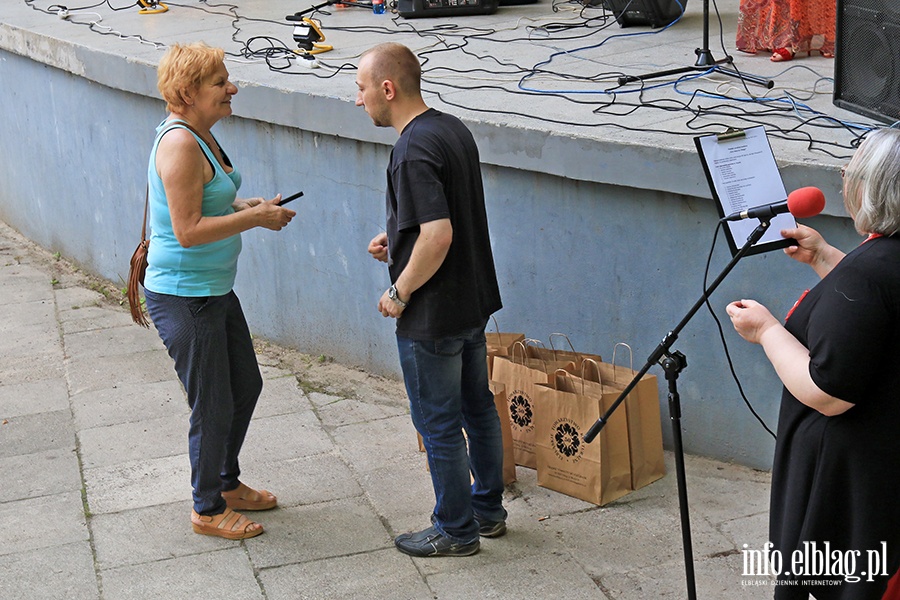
x=214, y=357
x=447, y=384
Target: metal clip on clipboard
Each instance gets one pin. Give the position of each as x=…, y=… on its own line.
x=731, y=133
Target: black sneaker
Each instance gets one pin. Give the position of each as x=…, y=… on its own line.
x=430, y=542
x=490, y=529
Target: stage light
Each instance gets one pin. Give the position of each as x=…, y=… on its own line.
x=152, y=7
x=308, y=34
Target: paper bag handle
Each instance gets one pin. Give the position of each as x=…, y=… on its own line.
x=630, y=359
x=568, y=341
x=512, y=352
x=536, y=344
x=596, y=370
x=561, y=375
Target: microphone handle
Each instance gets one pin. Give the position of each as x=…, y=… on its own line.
x=766, y=211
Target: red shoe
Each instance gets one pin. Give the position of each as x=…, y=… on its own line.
x=781, y=55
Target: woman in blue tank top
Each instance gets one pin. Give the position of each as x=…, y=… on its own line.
x=196, y=220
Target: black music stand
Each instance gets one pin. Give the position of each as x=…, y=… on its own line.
x=673, y=363
x=705, y=62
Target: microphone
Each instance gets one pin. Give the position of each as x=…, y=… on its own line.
x=803, y=203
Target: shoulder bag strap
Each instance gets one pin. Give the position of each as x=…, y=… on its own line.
x=146, y=206
x=189, y=127
x=147, y=195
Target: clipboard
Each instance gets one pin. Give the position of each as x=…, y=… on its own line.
x=741, y=171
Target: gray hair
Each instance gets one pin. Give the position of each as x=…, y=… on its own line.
x=872, y=184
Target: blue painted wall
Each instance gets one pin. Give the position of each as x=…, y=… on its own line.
x=601, y=263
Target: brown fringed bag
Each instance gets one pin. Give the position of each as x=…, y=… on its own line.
x=136, y=273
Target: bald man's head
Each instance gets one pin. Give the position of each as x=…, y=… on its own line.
x=394, y=62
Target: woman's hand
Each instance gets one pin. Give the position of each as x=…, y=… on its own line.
x=812, y=249
x=245, y=203
x=750, y=319
x=755, y=323
x=270, y=215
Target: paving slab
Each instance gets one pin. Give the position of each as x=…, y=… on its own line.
x=151, y=366
x=517, y=579
x=110, y=341
x=154, y=533
x=20, y=399
x=27, y=368
x=128, y=403
x=81, y=318
x=138, y=484
x=36, y=432
x=39, y=474
x=377, y=574
x=37, y=312
x=64, y=572
x=134, y=441
x=225, y=573
x=26, y=526
x=304, y=480
x=325, y=530
x=285, y=437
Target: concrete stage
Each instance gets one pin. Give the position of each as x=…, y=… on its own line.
x=601, y=216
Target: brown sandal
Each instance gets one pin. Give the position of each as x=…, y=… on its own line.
x=244, y=497
x=229, y=525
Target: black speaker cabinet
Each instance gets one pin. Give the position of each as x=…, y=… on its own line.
x=655, y=13
x=867, y=58
x=415, y=9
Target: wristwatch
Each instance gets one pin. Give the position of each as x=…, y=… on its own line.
x=393, y=295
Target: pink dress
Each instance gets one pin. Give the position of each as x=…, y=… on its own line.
x=796, y=25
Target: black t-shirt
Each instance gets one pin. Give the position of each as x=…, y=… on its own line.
x=435, y=174
x=836, y=480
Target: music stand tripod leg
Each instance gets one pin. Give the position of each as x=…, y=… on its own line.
x=705, y=62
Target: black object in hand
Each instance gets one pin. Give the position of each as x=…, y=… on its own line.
x=290, y=198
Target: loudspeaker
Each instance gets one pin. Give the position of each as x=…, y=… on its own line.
x=416, y=9
x=866, y=70
x=655, y=13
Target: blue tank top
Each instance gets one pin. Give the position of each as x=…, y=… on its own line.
x=201, y=270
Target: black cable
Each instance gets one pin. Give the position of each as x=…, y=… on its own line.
x=722, y=336
x=783, y=119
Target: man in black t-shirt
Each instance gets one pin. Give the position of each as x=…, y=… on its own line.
x=438, y=252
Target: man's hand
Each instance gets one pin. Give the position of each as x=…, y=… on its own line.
x=389, y=308
x=378, y=248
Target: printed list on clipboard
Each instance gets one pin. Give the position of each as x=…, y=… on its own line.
x=742, y=174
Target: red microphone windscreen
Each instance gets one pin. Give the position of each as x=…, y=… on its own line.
x=806, y=202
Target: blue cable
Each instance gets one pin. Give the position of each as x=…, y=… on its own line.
x=522, y=87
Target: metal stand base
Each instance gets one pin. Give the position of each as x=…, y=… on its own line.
x=705, y=62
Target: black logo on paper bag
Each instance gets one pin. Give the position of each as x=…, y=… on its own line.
x=520, y=410
x=567, y=440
